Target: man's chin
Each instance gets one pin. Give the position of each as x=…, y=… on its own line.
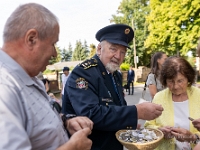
x=112, y=67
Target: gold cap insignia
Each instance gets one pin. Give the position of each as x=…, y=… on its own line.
x=127, y=31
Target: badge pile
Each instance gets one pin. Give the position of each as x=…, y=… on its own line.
x=138, y=136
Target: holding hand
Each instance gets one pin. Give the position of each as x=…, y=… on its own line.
x=196, y=124
x=167, y=132
x=182, y=134
x=78, y=141
x=148, y=111
x=77, y=123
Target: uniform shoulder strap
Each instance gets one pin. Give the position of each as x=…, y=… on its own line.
x=89, y=63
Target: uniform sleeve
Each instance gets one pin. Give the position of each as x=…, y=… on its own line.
x=151, y=80
x=87, y=95
x=12, y=124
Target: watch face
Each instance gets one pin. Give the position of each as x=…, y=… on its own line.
x=70, y=116
x=197, y=140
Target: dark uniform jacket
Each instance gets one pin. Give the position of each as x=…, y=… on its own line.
x=90, y=92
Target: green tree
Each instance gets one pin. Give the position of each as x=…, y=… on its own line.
x=133, y=13
x=85, y=49
x=174, y=26
x=67, y=54
x=70, y=51
x=80, y=52
x=92, y=50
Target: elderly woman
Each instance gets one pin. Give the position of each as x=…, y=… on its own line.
x=180, y=100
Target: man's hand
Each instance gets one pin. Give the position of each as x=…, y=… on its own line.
x=77, y=123
x=148, y=111
x=78, y=141
x=196, y=124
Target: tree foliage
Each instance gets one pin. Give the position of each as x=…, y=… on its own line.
x=80, y=51
x=66, y=55
x=174, y=26
x=92, y=50
x=133, y=13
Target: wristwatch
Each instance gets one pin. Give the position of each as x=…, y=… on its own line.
x=197, y=140
x=66, y=117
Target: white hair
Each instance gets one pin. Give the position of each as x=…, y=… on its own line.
x=30, y=16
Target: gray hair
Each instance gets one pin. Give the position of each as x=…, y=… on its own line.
x=30, y=16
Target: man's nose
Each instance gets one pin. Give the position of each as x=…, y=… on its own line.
x=118, y=54
x=54, y=52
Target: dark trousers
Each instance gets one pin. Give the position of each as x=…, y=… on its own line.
x=129, y=89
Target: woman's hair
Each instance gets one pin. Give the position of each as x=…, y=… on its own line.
x=30, y=16
x=154, y=62
x=174, y=65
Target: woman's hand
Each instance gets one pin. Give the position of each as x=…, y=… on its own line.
x=196, y=124
x=167, y=132
x=182, y=134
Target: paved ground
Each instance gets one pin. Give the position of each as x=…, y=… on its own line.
x=134, y=99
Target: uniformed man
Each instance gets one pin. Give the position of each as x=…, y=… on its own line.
x=94, y=90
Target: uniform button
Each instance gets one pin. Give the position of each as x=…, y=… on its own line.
x=107, y=104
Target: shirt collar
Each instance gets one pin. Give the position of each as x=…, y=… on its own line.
x=14, y=67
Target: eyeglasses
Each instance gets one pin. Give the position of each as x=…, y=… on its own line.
x=179, y=82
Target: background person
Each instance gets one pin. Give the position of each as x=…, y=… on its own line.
x=153, y=79
x=130, y=79
x=26, y=118
x=94, y=89
x=180, y=101
x=65, y=76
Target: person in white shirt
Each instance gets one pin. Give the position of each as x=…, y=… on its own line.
x=65, y=76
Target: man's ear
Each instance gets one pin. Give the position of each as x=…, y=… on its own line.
x=31, y=37
x=99, y=49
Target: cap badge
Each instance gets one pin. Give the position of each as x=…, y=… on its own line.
x=81, y=83
x=127, y=31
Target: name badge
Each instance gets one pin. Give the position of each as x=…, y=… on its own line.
x=107, y=100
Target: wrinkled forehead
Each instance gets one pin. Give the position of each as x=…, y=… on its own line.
x=114, y=45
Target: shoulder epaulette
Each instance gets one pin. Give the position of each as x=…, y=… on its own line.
x=89, y=63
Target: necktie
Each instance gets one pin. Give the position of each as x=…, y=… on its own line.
x=114, y=85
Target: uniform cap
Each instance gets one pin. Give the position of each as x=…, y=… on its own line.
x=117, y=34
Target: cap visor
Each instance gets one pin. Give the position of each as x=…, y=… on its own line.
x=118, y=42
